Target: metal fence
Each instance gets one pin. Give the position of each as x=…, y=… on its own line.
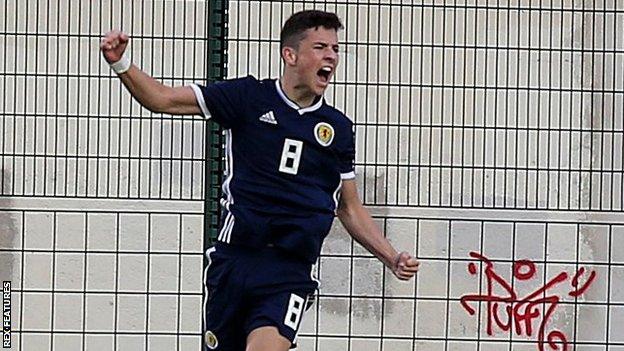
x=70, y=130
x=102, y=201
x=464, y=110
x=470, y=104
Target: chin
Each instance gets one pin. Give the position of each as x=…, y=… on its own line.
x=320, y=90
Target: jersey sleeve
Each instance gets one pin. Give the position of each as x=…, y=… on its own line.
x=223, y=101
x=346, y=164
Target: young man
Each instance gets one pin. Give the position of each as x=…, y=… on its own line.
x=289, y=170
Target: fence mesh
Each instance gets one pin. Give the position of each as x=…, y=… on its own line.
x=69, y=129
x=474, y=106
x=100, y=237
x=470, y=104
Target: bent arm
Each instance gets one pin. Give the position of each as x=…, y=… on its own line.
x=149, y=92
x=358, y=222
x=158, y=97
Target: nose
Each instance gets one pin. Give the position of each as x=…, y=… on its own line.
x=331, y=55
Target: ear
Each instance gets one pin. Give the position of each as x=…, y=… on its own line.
x=289, y=55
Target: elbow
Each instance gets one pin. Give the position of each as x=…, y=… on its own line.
x=344, y=212
x=162, y=101
x=154, y=108
x=340, y=213
x=160, y=105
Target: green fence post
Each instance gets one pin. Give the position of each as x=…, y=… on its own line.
x=217, y=70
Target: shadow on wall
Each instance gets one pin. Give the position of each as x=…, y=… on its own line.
x=8, y=232
x=367, y=278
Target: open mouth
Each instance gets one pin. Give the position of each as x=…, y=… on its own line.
x=324, y=74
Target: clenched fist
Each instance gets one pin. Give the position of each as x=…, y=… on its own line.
x=113, y=45
x=405, y=266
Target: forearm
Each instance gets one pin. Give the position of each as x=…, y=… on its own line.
x=360, y=225
x=149, y=92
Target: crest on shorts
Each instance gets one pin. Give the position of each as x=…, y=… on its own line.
x=211, y=340
x=324, y=133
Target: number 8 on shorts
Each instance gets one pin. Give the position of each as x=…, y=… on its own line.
x=293, y=314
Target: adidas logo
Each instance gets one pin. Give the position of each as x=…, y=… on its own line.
x=268, y=118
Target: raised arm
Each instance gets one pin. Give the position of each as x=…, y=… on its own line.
x=149, y=92
x=358, y=222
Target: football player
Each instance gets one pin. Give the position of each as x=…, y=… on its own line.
x=289, y=171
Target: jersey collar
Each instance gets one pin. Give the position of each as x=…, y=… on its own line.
x=292, y=104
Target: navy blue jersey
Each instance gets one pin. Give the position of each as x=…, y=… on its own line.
x=284, y=164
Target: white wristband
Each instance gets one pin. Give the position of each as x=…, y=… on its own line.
x=122, y=65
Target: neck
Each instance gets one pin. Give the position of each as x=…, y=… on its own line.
x=297, y=93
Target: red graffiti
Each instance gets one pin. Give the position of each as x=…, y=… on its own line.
x=520, y=313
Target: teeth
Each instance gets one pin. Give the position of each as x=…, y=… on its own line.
x=326, y=69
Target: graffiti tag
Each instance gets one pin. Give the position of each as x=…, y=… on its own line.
x=507, y=311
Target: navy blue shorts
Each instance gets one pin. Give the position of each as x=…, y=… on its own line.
x=247, y=288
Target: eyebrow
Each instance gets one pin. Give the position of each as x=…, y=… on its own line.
x=326, y=44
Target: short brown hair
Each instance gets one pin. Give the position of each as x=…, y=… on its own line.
x=294, y=29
